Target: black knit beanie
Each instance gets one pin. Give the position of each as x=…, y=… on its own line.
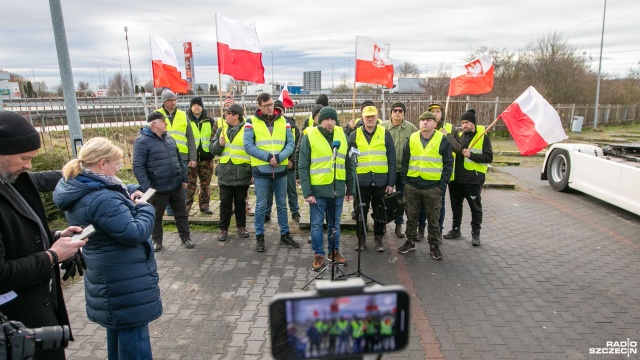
x=400, y=105
x=196, y=100
x=316, y=109
x=17, y=135
x=469, y=115
x=322, y=100
x=366, y=103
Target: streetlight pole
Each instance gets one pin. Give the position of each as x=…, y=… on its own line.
x=98, y=64
x=595, y=120
x=126, y=37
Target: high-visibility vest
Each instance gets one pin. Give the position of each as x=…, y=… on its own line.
x=178, y=130
x=343, y=325
x=449, y=128
x=272, y=143
x=220, y=122
x=356, y=329
x=373, y=155
x=476, y=149
x=321, y=169
x=320, y=326
x=385, y=329
x=310, y=121
x=234, y=150
x=425, y=161
x=371, y=328
x=202, y=135
x=306, y=130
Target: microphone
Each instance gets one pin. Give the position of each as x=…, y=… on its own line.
x=335, y=145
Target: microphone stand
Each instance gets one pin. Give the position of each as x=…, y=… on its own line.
x=331, y=215
x=358, y=272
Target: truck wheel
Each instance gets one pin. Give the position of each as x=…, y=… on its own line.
x=559, y=169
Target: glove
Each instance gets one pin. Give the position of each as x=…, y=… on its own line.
x=73, y=265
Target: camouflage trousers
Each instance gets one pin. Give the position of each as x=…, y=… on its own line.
x=204, y=171
x=431, y=199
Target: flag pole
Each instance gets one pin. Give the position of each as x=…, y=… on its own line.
x=485, y=131
x=353, y=105
x=220, y=93
x=446, y=110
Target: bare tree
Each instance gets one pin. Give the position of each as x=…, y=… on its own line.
x=40, y=88
x=118, y=85
x=437, y=85
x=408, y=69
x=84, y=89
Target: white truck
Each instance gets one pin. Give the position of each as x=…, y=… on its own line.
x=611, y=174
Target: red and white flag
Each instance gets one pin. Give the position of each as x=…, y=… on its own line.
x=166, y=71
x=472, y=78
x=373, y=65
x=239, y=53
x=533, y=122
x=285, y=98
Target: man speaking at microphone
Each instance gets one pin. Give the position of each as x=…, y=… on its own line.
x=326, y=177
x=376, y=171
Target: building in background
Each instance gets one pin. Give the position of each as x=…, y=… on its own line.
x=8, y=89
x=312, y=82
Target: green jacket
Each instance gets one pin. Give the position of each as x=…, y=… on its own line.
x=400, y=134
x=325, y=191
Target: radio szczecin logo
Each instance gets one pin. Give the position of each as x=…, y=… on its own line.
x=627, y=347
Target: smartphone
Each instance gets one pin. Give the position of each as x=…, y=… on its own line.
x=86, y=232
x=147, y=195
x=331, y=326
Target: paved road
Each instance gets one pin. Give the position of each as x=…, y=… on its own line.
x=556, y=275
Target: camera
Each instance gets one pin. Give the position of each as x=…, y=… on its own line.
x=342, y=319
x=20, y=342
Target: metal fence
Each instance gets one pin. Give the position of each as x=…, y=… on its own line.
x=121, y=117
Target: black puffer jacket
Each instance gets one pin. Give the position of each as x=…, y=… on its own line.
x=156, y=162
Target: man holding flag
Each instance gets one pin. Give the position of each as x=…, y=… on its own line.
x=472, y=152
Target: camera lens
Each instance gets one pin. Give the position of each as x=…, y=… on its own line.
x=52, y=337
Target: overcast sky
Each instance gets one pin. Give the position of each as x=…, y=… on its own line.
x=307, y=35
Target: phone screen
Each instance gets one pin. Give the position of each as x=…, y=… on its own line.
x=338, y=326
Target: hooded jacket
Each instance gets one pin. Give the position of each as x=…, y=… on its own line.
x=121, y=279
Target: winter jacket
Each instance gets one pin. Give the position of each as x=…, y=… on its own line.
x=25, y=267
x=121, y=280
x=230, y=174
x=458, y=143
x=156, y=162
x=400, y=135
x=373, y=179
x=204, y=117
x=254, y=151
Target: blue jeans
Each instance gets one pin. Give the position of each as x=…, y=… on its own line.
x=129, y=344
x=317, y=219
x=168, y=208
x=292, y=195
x=264, y=187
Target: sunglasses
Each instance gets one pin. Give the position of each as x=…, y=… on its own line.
x=398, y=110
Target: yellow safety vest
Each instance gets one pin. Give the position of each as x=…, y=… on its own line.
x=234, y=150
x=373, y=155
x=178, y=130
x=385, y=329
x=271, y=143
x=321, y=169
x=202, y=135
x=449, y=128
x=476, y=149
x=310, y=121
x=220, y=122
x=425, y=161
x=356, y=329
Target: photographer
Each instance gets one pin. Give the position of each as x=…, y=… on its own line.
x=29, y=252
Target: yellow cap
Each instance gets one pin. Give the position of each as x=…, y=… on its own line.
x=369, y=110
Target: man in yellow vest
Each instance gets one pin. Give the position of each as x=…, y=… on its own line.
x=269, y=142
x=446, y=129
x=202, y=126
x=233, y=172
x=400, y=131
x=376, y=171
x=179, y=128
x=427, y=164
x=470, y=169
x=352, y=125
x=326, y=182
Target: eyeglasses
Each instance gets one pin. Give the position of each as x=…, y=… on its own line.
x=267, y=105
x=397, y=110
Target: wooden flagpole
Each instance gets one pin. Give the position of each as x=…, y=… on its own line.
x=220, y=93
x=485, y=131
x=446, y=110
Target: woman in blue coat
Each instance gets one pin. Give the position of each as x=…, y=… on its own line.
x=121, y=279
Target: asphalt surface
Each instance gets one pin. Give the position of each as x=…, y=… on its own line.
x=557, y=275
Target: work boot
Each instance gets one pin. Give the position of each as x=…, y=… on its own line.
x=157, y=246
x=260, y=243
x=454, y=233
x=475, y=238
x=399, y=232
x=188, y=243
x=420, y=235
x=361, y=241
x=223, y=235
x=286, y=239
x=206, y=211
x=406, y=247
x=318, y=262
x=434, y=250
x=336, y=257
x=377, y=239
x=242, y=232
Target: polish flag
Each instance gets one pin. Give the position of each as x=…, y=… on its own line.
x=239, y=53
x=533, y=122
x=285, y=98
x=472, y=78
x=166, y=71
x=373, y=65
